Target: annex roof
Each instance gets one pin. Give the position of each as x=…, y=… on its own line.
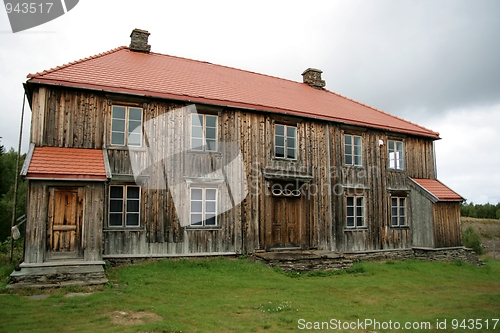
x=437, y=190
x=65, y=164
x=158, y=75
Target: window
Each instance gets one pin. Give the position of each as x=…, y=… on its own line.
x=203, y=132
x=355, y=212
x=396, y=155
x=352, y=150
x=124, y=205
x=285, y=142
x=203, y=207
x=398, y=211
x=126, y=126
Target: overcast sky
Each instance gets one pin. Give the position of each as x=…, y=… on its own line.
x=435, y=63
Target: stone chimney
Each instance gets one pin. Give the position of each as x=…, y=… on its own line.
x=312, y=77
x=139, y=41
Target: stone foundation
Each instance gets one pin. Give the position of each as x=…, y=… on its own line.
x=306, y=261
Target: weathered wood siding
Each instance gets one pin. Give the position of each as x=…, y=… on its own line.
x=67, y=118
x=447, y=227
x=37, y=218
x=75, y=118
x=422, y=219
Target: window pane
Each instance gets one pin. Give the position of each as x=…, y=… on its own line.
x=197, y=120
x=210, y=207
x=402, y=220
x=350, y=211
x=280, y=141
x=291, y=153
x=134, y=126
x=116, y=206
x=391, y=146
x=359, y=201
x=132, y=220
x=197, y=132
x=394, y=202
x=196, y=219
x=350, y=221
x=280, y=152
x=210, y=219
x=118, y=125
x=211, y=121
x=394, y=220
x=357, y=150
x=399, y=146
x=118, y=138
x=357, y=160
x=211, y=145
x=350, y=201
x=115, y=219
x=290, y=143
x=196, y=194
x=279, y=130
x=133, y=192
x=211, y=194
x=119, y=112
x=360, y=221
x=211, y=133
x=348, y=159
x=291, y=132
x=132, y=206
x=134, y=139
x=196, y=207
x=394, y=211
x=116, y=192
x=359, y=211
x=348, y=140
x=357, y=141
x=197, y=144
x=135, y=114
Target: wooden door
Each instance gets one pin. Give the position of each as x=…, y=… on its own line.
x=65, y=219
x=287, y=223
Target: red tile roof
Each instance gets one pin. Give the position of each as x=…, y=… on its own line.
x=158, y=75
x=438, y=190
x=67, y=163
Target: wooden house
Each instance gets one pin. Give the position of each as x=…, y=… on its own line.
x=136, y=154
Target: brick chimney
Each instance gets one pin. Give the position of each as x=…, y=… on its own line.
x=312, y=77
x=139, y=41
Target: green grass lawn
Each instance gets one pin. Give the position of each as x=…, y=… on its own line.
x=235, y=295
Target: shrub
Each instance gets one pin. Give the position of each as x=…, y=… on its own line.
x=472, y=240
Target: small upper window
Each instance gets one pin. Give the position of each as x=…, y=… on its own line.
x=355, y=212
x=203, y=132
x=352, y=150
x=396, y=155
x=398, y=211
x=126, y=126
x=285, y=142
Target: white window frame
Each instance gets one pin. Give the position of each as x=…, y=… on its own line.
x=356, y=214
x=399, y=211
x=204, y=202
x=352, y=150
x=204, y=127
x=125, y=132
x=285, y=142
x=396, y=154
x=124, y=211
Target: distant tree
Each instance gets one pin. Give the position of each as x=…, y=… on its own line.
x=7, y=178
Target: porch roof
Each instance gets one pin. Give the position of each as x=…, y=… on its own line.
x=65, y=164
x=437, y=190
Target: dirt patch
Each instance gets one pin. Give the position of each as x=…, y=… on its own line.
x=489, y=229
x=133, y=318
